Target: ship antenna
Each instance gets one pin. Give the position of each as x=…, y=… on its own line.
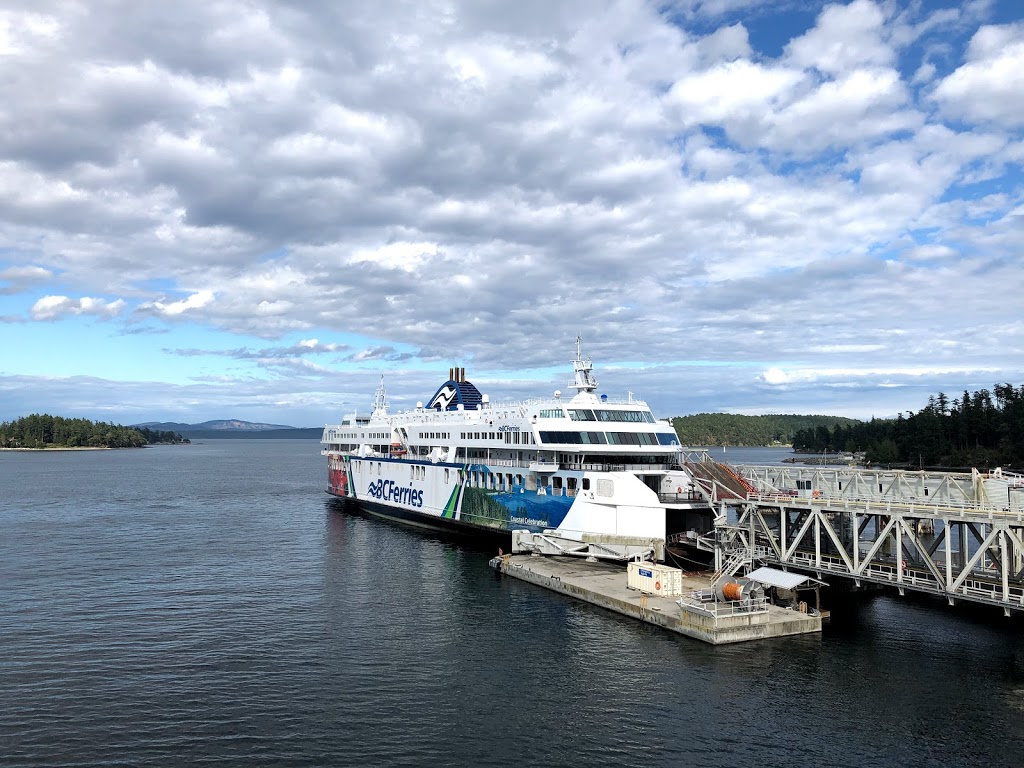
x=380, y=398
x=583, y=380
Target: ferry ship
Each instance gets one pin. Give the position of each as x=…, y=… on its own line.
x=577, y=467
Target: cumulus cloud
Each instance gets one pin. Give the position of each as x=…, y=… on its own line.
x=17, y=279
x=53, y=307
x=987, y=87
x=196, y=301
x=25, y=273
x=846, y=37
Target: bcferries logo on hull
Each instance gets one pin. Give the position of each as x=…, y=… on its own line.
x=389, y=490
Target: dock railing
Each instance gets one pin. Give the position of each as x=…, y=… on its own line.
x=698, y=602
x=963, y=509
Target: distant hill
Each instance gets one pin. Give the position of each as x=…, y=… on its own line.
x=221, y=429
x=733, y=429
x=216, y=424
x=291, y=433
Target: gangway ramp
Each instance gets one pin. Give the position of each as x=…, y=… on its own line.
x=718, y=482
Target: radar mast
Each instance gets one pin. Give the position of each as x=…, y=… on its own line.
x=380, y=400
x=584, y=381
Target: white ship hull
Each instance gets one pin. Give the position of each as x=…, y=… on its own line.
x=477, y=498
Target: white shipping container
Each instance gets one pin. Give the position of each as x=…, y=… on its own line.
x=654, y=579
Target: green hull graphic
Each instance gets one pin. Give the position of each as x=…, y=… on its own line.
x=453, y=503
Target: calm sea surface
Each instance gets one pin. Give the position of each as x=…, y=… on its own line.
x=207, y=605
x=760, y=456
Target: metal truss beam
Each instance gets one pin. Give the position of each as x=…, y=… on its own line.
x=976, y=556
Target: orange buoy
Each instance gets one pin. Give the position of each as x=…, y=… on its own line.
x=657, y=586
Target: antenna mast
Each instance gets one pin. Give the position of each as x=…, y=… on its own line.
x=380, y=399
x=583, y=381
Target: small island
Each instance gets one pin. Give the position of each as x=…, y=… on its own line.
x=45, y=432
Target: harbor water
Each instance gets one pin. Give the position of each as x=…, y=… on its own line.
x=210, y=605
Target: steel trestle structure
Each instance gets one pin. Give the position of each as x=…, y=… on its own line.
x=965, y=543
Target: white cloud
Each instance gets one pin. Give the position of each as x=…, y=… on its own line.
x=725, y=44
x=861, y=106
x=404, y=256
x=53, y=307
x=197, y=300
x=988, y=86
x=25, y=273
x=924, y=73
x=734, y=90
x=713, y=8
x=21, y=33
x=803, y=376
x=20, y=278
x=846, y=37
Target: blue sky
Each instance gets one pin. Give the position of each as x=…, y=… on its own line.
x=255, y=209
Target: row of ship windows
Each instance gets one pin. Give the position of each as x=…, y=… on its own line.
x=354, y=447
x=598, y=414
x=607, y=438
x=477, y=479
x=416, y=472
x=512, y=438
x=556, y=485
x=508, y=437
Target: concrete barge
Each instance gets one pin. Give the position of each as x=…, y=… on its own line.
x=605, y=585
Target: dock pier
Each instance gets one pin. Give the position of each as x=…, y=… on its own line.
x=605, y=585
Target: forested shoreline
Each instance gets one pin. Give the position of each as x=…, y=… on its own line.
x=978, y=429
x=708, y=429
x=43, y=431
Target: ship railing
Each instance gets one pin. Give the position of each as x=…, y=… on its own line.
x=621, y=467
x=685, y=496
x=908, y=506
x=563, y=401
x=572, y=466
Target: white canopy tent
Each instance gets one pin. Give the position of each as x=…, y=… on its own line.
x=773, y=577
